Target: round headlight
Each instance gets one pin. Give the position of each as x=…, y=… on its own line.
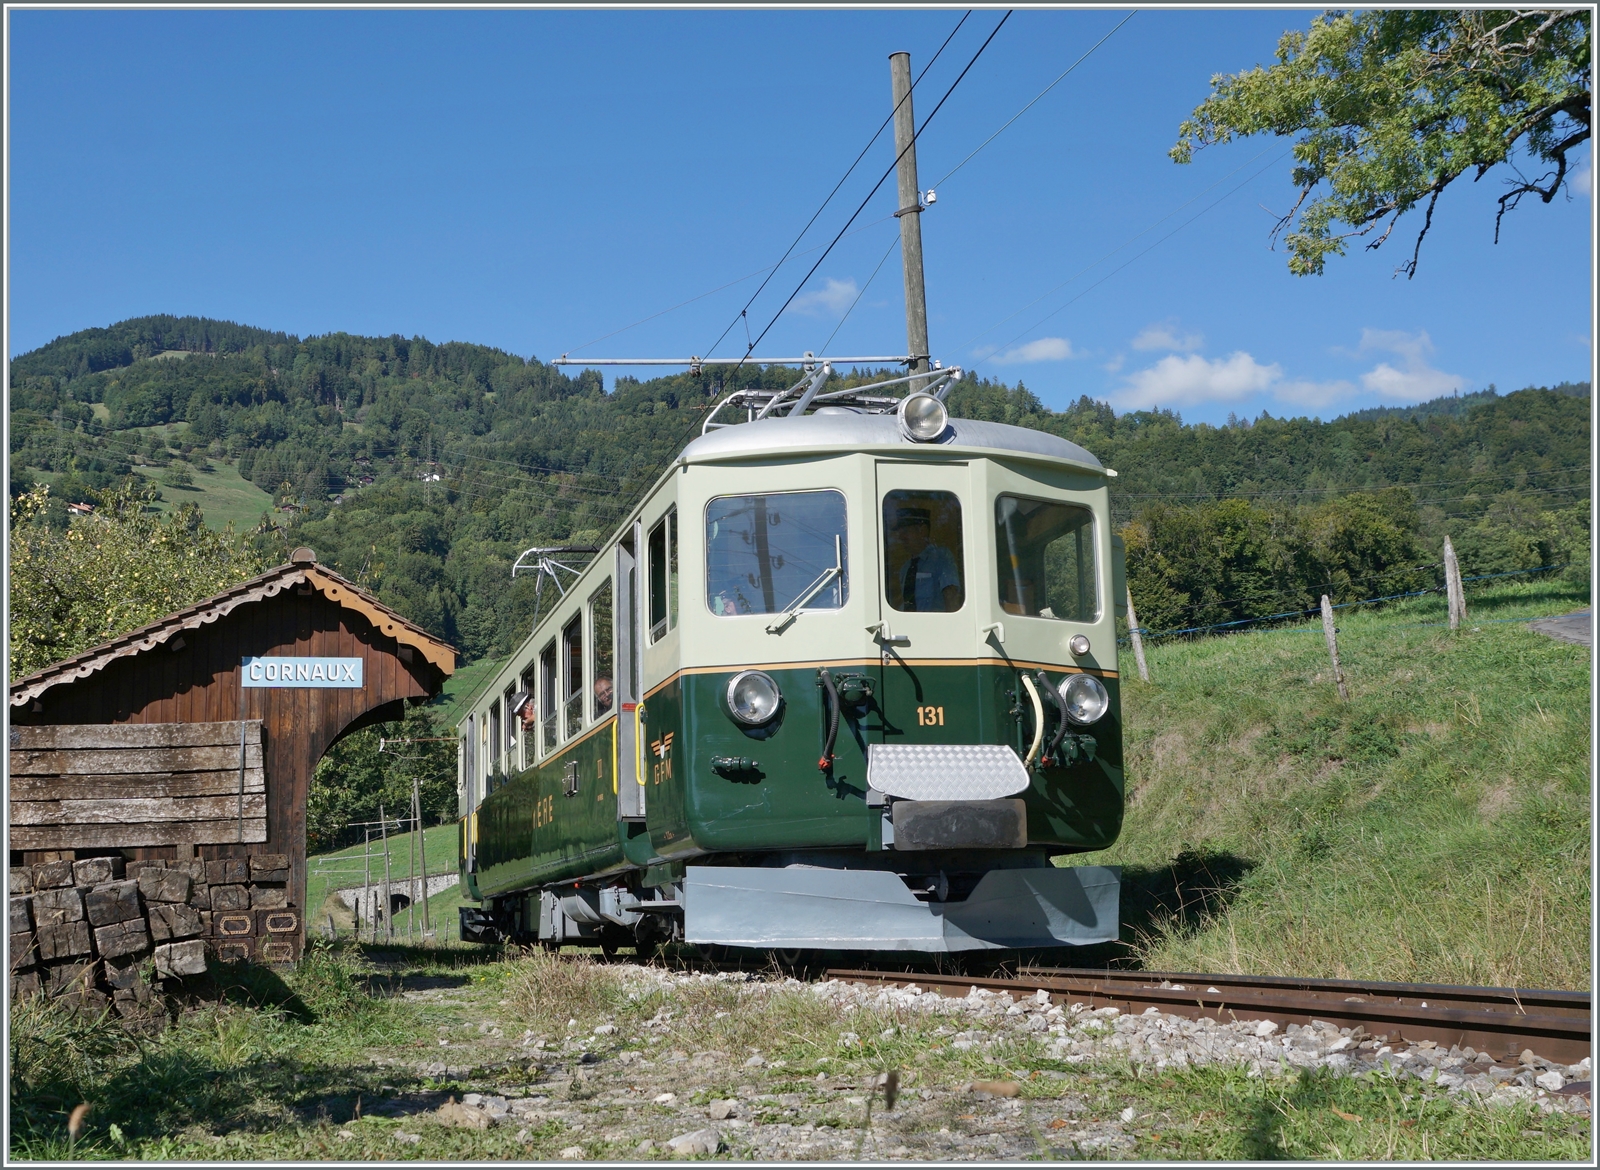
x=922, y=418
x=1079, y=645
x=1085, y=698
x=753, y=697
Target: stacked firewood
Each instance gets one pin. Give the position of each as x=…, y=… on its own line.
x=109, y=934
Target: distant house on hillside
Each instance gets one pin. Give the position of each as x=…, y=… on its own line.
x=81, y=509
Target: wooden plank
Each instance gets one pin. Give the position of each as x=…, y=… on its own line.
x=74, y=736
x=95, y=762
x=219, y=783
x=130, y=836
x=134, y=810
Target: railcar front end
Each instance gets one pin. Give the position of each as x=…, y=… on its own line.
x=835, y=685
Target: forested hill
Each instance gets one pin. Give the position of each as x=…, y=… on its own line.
x=346, y=435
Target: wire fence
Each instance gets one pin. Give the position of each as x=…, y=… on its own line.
x=1312, y=611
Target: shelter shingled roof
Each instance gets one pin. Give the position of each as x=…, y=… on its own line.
x=301, y=568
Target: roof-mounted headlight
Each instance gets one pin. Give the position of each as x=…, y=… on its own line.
x=922, y=417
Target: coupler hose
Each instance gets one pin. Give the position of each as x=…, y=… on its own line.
x=1053, y=755
x=826, y=678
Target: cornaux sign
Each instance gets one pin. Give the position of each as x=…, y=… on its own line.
x=302, y=672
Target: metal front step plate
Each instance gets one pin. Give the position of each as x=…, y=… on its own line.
x=945, y=771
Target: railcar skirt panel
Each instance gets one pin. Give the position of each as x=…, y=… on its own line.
x=872, y=910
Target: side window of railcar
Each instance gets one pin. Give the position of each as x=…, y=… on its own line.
x=527, y=723
x=1045, y=559
x=547, y=697
x=572, y=676
x=485, y=764
x=923, y=563
x=604, y=689
x=763, y=553
x=663, y=553
x=495, y=744
x=508, y=700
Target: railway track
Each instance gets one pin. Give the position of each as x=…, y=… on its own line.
x=1504, y=1022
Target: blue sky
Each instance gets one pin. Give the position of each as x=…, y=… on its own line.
x=535, y=180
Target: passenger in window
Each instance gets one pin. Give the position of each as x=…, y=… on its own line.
x=526, y=712
x=602, y=695
x=925, y=574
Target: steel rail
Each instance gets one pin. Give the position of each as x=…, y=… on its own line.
x=1503, y=1022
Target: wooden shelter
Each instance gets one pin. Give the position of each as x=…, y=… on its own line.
x=194, y=738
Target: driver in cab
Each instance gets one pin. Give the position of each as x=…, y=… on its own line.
x=923, y=575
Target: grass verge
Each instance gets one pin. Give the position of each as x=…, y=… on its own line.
x=1435, y=828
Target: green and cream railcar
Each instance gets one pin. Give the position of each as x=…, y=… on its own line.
x=828, y=687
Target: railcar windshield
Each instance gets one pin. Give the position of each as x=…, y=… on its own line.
x=764, y=552
x=923, y=564
x=1046, y=559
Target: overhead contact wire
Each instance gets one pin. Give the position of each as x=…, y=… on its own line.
x=836, y=187
x=915, y=135
x=1035, y=101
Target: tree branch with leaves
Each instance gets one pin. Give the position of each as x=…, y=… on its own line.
x=1388, y=108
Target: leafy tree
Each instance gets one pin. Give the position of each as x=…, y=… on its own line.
x=102, y=575
x=1392, y=106
x=355, y=777
x=1222, y=561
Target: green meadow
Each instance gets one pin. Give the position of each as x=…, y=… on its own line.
x=1435, y=828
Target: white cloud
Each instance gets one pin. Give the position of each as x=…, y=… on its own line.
x=1582, y=180
x=1415, y=380
x=1046, y=349
x=834, y=297
x=1410, y=385
x=1314, y=395
x=1164, y=335
x=1192, y=381
x=1114, y=365
x=1411, y=346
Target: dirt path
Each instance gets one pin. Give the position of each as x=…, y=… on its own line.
x=1576, y=627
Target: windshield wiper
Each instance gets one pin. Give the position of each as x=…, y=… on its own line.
x=788, y=616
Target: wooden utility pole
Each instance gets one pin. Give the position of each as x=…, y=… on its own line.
x=366, y=888
x=1138, y=642
x=422, y=848
x=910, y=216
x=1330, y=634
x=411, y=870
x=388, y=897
x=1452, y=586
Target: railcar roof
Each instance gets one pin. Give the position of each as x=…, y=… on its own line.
x=853, y=432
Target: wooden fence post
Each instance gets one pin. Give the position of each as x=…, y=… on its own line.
x=1452, y=586
x=1333, y=646
x=1138, y=642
